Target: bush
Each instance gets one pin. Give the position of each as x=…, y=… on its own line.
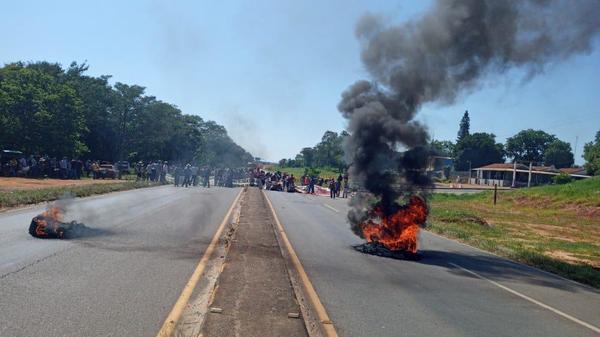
x=562, y=178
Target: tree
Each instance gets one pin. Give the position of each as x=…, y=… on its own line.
x=558, y=154
x=442, y=147
x=97, y=98
x=39, y=111
x=128, y=105
x=529, y=145
x=220, y=149
x=465, y=125
x=308, y=154
x=591, y=154
x=477, y=150
x=299, y=160
x=45, y=109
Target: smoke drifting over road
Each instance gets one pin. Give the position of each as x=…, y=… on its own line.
x=433, y=59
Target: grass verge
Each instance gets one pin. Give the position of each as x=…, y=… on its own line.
x=554, y=228
x=33, y=196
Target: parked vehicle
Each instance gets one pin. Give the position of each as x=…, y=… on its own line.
x=108, y=170
x=5, y=158
x=124, y=167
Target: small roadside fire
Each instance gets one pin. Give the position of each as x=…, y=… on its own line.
x=394, y=235
x=48, y=225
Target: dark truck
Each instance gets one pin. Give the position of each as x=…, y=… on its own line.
x=5, y=157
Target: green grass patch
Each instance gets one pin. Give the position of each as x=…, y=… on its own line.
x=584, y=192
x=554, y=228
x=34, y=196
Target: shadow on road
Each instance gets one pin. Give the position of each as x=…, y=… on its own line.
x=495, y=268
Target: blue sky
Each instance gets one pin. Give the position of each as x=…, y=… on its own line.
x=272, y=71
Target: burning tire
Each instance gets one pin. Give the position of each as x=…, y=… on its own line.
x=48, y=226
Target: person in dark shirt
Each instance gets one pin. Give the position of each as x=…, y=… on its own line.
x=332, y=191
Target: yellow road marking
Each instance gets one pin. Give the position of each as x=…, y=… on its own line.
x=310, y=290
x=169, y=325
x=534, y=301
x=331, y=208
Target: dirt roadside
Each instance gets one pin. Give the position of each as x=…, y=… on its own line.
x=11, y=184
x=254, y=296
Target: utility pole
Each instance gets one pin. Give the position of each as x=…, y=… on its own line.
x=514, y=173
x=529, y=178
x=575, y=149
x=495, y=193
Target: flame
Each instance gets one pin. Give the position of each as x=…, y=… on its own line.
x=397, y=231
x=50, y=219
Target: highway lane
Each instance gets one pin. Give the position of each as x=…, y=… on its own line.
x=122, y=282
x=373, y=296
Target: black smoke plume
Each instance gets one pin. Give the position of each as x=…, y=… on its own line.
x=441, y=54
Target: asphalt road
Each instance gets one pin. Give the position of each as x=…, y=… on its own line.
x=437, y=296
x=122, y=282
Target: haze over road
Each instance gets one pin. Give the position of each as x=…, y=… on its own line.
x=373, y=296
x=125, y=282
x=122, y=283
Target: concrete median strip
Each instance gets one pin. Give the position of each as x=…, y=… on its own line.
x=254, y=292
x=316, y=319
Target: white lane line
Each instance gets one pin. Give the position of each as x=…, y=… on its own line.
x=331, y=208
x=525, y=297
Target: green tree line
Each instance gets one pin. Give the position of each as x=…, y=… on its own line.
x=45, y=109
x=470, y=150
x=328, y=152
x=535, y=146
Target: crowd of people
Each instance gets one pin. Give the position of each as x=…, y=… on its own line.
x=187, y=175
x=273, y=181
x=183, y=175
x=36, y=166
x=278, y=181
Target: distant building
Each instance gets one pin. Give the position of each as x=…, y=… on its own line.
x=439, y=166
x=503, y=174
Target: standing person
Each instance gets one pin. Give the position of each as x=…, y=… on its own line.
x=33, y=167
x=95, y=170
x=177, y=175
x=63, y=165
x=206, y=173
x=138, y=170
x=153, y=173
x=284, y=180
x=163, y=172
x=53, y=170
x=73, y=168
x=332, y=188
x=12, y=167
x=311, y=185
x=194, y=170
x=346, y=189
x=229, y=178
x=23, y=168
x=187, y=174
x=88, y=167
